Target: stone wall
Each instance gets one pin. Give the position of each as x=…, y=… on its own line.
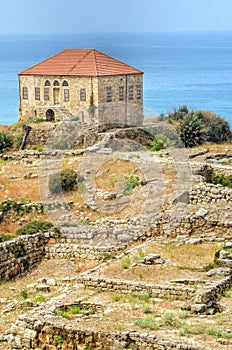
x=127, y=287
x=77, y=251
x=21, y=254
x=31, y=107
x=94, y=110
x=35, y=332
x=210, y=193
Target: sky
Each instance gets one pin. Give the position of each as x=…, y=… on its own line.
x=100, y=16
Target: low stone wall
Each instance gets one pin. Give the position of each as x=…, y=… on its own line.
x=121, y=232
x=127, y=287
x=210, y=193
x=67, y=251
x=34, y=332
x=205, y=300
x=21, y=254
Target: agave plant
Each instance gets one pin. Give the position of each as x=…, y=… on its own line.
x=191, y=130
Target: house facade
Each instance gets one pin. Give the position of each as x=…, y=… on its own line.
x=85, y=84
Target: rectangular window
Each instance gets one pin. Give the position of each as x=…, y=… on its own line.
x=121, y=93
x=25, y=93
x=108, y=94
x=46, y=94
x=66, y=95
x=37, y=93
x=82, y=94
x=138, y=92
x=131, y=93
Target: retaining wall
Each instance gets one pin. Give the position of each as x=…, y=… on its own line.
x=210, y=193
x=127, y=287
x=32, y=332
x=21, y=254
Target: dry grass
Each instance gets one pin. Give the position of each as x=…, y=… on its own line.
x=10, y=225
x=55, y=268
x=123, y=311
x=185, y=261
x=14, y=185
x=167, y=319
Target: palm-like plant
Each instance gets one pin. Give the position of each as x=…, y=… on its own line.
x=191, y=130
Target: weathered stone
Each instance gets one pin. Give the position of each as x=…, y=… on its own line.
x=42, y=288
x=182, y=198
x=220, y=271
x=201, y=213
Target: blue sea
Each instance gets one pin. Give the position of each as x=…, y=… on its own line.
x=194, y=69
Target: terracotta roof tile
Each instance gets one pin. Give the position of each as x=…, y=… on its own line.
x=81, y=62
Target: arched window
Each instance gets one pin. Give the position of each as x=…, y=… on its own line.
x=47, y=83
x=65, y=83
x=56, y=83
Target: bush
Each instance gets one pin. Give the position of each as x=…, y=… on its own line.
x=130, y=183
x=159, y=142
x=178, y=113
x=218, y=179
x=65, y=180
x=191, y=130
x=6, y=142
x=197, y=127
x=18, y=140
x=34, y=227
x=147, y=322
x=221, y=179
x=218, y=130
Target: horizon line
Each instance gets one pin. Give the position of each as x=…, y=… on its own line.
x=122, y=32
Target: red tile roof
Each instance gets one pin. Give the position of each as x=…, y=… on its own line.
x=81, y=62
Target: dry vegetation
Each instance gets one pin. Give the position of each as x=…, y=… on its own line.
x=182, y=261
x=164, y=317
x=167, y=319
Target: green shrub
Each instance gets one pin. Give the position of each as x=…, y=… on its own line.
x=178, y=113
x=62, y=313
x=224, y=180
x=147, y=322
x=18, y=140
x=147, y=309
x=6, y=142
x=59, y=340
x=197, y=127
x=192, y=329
x=5, y=237
x=170, y=319
x=217, y=333
x=159, y=142
x=191, y=130
x=116, y=297
x=130, y=183
x=37, y=120
x=40, y=299
x=218, y=129
x=17, y=125
x=75, y=310
x=24, y=294
x=65, y=180
x=9, y=204
x=227, y=293
x=34, y=227
x=144, y=297
x=126, y=263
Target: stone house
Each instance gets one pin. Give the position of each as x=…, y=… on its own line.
x=85, y=84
